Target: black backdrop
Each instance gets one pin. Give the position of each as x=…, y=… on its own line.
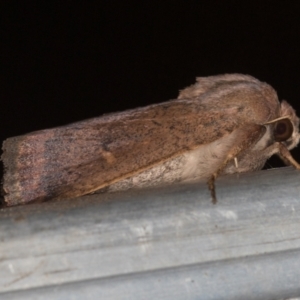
x=64, y=61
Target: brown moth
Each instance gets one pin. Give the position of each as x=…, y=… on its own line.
x=221, y=125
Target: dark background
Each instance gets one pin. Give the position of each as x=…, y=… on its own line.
x=66, y=61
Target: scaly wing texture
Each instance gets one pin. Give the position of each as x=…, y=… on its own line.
x=82, y=157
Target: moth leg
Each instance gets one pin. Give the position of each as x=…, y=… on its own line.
x=236, y=163
x=286, y=156
x=244, y=138
x=212, y=179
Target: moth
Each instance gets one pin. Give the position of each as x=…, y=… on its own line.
x=222, y=124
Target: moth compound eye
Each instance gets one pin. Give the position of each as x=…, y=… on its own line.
x=283, y=130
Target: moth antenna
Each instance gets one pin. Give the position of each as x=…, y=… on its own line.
x=277, y=119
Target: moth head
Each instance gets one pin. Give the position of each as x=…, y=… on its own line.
x=286, y=127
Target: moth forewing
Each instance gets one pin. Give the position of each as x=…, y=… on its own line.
x=221, y=125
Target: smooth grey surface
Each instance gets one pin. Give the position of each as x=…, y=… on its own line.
x=165, y=243
x=235, y=279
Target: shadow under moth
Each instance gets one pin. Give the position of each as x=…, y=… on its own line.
x=222, y=124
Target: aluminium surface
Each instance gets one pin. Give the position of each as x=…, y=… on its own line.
x=164, y=243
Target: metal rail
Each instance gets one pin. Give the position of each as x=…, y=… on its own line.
x=164, y=243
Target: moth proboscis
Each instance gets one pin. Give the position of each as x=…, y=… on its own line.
x=222, y=124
